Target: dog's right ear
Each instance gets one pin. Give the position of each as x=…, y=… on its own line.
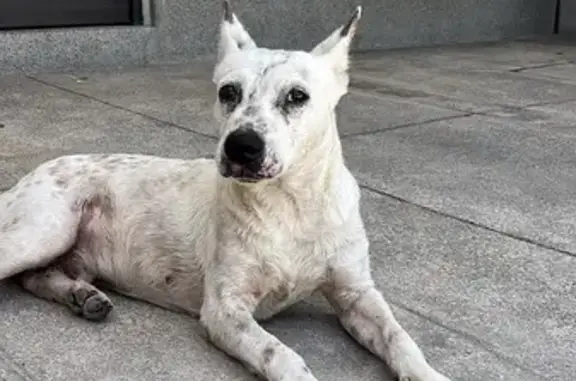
x=233, y=36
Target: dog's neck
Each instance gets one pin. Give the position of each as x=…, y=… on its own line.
x=319, y=162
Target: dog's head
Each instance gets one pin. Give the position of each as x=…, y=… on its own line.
x=273, y=105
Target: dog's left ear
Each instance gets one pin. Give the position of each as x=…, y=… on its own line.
x=233, y=35
x=335, y=49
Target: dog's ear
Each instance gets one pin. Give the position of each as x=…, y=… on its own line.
x=233, y=36
x=339, y=41
x=336, y=47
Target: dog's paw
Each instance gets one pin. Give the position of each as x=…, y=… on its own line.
x=91, y=304
x=96, y=307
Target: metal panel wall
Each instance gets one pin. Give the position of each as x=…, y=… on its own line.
x=15, y=14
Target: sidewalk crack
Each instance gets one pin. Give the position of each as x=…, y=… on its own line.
x=406, y=125
x=487, y=346
x=470, y=222
x=126, y=109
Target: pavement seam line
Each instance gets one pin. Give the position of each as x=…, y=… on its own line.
x=439, y=97
x=469, y=222
x=491, y=111
x=125, y=109
x=482, y=109
x=467, y=336
x=557, y=102
x=541, y=66
x=406, y=125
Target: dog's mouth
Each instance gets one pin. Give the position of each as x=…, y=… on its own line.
x=246, y=174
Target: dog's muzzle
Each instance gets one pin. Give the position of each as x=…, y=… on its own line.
x=244, y=155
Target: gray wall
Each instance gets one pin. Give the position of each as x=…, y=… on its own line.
x=184, y=29
x=568, y=18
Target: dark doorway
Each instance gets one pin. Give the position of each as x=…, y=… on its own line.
x=18, y=14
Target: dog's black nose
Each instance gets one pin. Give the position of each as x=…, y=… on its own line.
x=244, y=146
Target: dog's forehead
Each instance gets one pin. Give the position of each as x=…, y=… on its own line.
x=267, y=64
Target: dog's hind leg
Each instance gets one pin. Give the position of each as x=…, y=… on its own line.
x=81, y=297
x=38, y=222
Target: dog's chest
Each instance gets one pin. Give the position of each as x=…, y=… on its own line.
x=293, y=272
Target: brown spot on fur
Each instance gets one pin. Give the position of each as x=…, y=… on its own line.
x=62, y=182
x=242, y=326
x=99, y=205
x=112, y=163
x=268, y=355
x=10, y=225
x=267, y=269
x=372, y=344
x=169, y=279
x=282, y=293
x=144, y=188
x=250, y=111
x=392, y=337
x=220, y=290
x=115, y=160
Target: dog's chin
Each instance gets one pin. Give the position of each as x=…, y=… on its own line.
x=246, y=176
x=249, y=180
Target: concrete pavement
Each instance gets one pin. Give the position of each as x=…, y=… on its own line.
x=466, y=158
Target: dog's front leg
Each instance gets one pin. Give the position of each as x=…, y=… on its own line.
x=227, y=316
x=368, y=318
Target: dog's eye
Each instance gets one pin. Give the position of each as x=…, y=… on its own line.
x=230, y=93
x=296, y=97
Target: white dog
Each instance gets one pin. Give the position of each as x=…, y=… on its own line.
x=272, y=219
